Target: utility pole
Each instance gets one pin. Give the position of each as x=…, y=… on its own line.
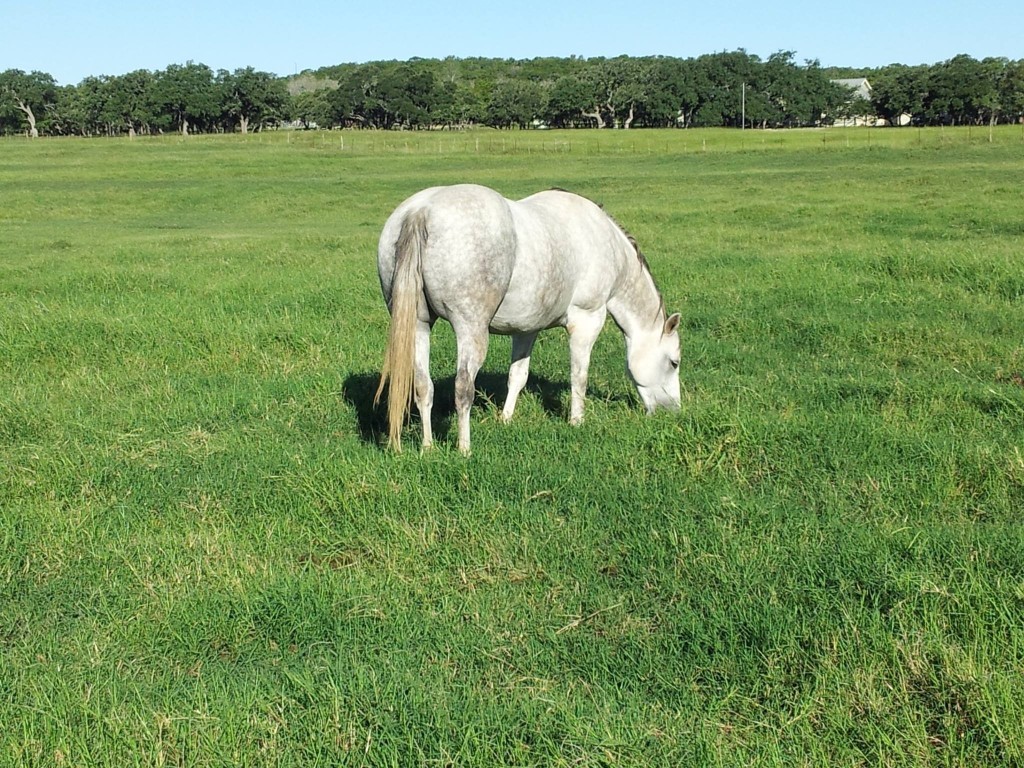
x=743, y=101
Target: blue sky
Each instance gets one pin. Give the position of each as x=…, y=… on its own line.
x=72, y=40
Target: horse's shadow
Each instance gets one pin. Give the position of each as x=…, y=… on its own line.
x=359, y=389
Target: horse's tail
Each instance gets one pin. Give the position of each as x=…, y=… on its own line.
x=400, y=357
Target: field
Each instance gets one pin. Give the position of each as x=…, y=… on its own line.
x=208, y=557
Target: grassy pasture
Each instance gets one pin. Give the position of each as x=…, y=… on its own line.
x=207, y=557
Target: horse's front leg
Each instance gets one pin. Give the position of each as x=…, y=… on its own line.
x=518, y=371
x=472, y=349
x=583, y=328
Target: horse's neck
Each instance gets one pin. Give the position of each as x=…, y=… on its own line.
x=636, y=305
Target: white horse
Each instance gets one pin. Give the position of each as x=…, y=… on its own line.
x=490, y=265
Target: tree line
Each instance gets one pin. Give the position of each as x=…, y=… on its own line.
x=721, y=89
x=184, y=98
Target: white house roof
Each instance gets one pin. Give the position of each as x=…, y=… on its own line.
x=860, y=85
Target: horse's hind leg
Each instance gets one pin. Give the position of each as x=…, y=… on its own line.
x=423, y=386
x=518, y=372
x=472, y=349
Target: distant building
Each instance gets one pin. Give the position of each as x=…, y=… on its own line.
x=860, y=86
x=861, y=89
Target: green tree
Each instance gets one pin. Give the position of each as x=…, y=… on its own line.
x=185, y=97
x=816, y=98
x=515, y=103
x=312, y=108
x=568, y=99
x=251, y=98
x=26, y=96
x=131, y=102
x=357, y=98
x=461, y=103
x=899, y=90
x=80, y=109
x=688, y=82
x=988, y=99
x=409, y=94
x=617, y=88
x=632, y=95
x=721, y=94
x=673, y=92
x=1011, y=91
x=961, y=90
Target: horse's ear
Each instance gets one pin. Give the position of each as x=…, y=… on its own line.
x=671, y=324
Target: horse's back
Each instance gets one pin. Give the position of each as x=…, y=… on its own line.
x=584, y=249
x=583, y=226
x=519, y=265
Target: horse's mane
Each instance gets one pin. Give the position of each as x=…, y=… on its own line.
x=644, y=264
x=636, y=247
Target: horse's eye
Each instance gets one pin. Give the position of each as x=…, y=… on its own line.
x=674, y=364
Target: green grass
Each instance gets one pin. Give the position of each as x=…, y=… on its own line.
x=207, y=556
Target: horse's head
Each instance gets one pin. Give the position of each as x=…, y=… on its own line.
x=653, y=362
